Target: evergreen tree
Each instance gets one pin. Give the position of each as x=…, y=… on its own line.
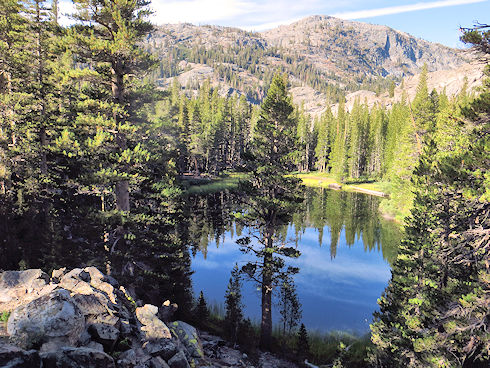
x=202, y=312
x=339, y=155
x=117, y=26
x=233, y=303
x=422, y=107
x=247, y=336
x=302, y=343
x=434, y=312
x=324, y=144
x=271, y=197
x=289, y=305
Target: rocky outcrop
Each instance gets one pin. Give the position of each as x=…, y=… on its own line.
x=21, y=287
x=52, y=319
x=69, y=357
x=84, y=319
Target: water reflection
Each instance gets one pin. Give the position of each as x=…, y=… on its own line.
x=346, y=252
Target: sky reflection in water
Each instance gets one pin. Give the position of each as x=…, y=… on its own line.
x=338, y=284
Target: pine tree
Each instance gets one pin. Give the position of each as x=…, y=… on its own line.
x=377, y=139
x=302, y=343
x=202, y=312
x=422, y=107
x=117, y=26
x=434, y=311
x=271, y=197
x=233, y=303
x=339, y=155
x=289, y=305
x=324, y=144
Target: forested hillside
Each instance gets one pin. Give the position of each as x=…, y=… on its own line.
x=325, y=57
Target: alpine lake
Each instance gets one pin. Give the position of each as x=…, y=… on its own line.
x=346, y=248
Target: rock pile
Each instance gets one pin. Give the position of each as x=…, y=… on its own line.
x=83, y=318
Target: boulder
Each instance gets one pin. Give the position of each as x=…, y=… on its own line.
x=77, y=358
x=105, y=334
x=189, y=338
x=54, y=316
x=97, y=309
x=21, y=287
x=133, y=358
x=179, y=361
x=165, y=348
x=95, y=346
x=56, y=275
x=84, y=281
x=167, y=311
x=102, y=282
x=13, y=357
x=158, y=362
x=151, y=327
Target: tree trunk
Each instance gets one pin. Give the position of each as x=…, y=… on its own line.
x=42, y=92
x=266, y=323
x=121, y=187
x=122, y=195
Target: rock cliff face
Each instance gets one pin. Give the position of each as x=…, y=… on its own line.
x=85, y=319
x=346, y=46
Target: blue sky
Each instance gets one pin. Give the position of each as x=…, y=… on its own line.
x=433, y=20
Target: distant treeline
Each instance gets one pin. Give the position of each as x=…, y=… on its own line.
x=379, y=143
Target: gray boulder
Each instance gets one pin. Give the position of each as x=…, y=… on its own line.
x=158, y=362
x=56, y=275
x=188, y=336
x=84, y=281
x=77, y=358
x=165, y=348
x=167, y=311
x=105, y=334
x=54, y=316
x=179, y=361
x=21, y=287
x=133, y=358
x=151, y=327
x=95, y=346
x=13, y=357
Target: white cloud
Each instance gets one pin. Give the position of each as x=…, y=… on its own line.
x=403, y=9
x=314, y=262
x=199, y=11
x=66, y=8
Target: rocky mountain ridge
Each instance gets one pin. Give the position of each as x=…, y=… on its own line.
x=325, y=58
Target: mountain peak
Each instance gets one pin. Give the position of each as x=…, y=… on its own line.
x=323, y=55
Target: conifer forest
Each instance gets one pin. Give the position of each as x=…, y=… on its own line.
x=102, y=164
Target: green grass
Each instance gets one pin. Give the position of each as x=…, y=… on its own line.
x=323, y=180
x=4, y=316
x=226, y=182
x=316, y=179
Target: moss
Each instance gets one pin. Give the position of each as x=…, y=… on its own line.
x=4, y=316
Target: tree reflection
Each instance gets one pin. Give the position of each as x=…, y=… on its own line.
x=329, y=212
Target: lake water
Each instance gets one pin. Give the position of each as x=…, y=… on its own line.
x=346, y=250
